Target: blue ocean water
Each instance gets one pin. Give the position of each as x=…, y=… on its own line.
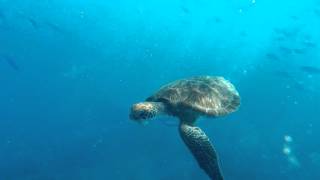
x=70, y=70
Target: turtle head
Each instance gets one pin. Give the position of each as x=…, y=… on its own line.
x=143, y=111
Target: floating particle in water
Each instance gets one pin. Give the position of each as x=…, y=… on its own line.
x=288, y=86
x=310, y=76
x=288, y=139
x=245, y=72
x=144, y=123
x=286, y=150
x=82, y=14
x=294, y=161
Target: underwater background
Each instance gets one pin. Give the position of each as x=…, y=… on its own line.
x=70, y=70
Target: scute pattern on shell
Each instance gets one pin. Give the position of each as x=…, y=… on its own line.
x=206, y=95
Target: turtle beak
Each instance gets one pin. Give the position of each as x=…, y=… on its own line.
x=133, y=116
x=139, y=112
x=136, y=112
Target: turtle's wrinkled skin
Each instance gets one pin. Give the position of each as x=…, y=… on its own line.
x=188, y=99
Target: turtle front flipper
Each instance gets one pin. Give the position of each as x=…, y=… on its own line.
x=202, y=149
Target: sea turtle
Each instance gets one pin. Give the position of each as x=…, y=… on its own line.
x=188, y=99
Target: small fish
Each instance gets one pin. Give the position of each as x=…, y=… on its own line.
x=284, y=74
x=280, y=38
x=33, y=22
x=272, y=56
x=185, y=9
x=287, y=33
x=300, y=86
x=310, y=69
x=243, y=33
x=278, y=30
x=11, y=62
x=285, y=50
x=299, y=51
x=217, y=19
x=309, y=44
x=294, y=17
x=54, y=27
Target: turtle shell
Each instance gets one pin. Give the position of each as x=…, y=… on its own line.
x=205, y=95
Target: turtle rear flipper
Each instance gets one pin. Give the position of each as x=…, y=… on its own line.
x=202, y=149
